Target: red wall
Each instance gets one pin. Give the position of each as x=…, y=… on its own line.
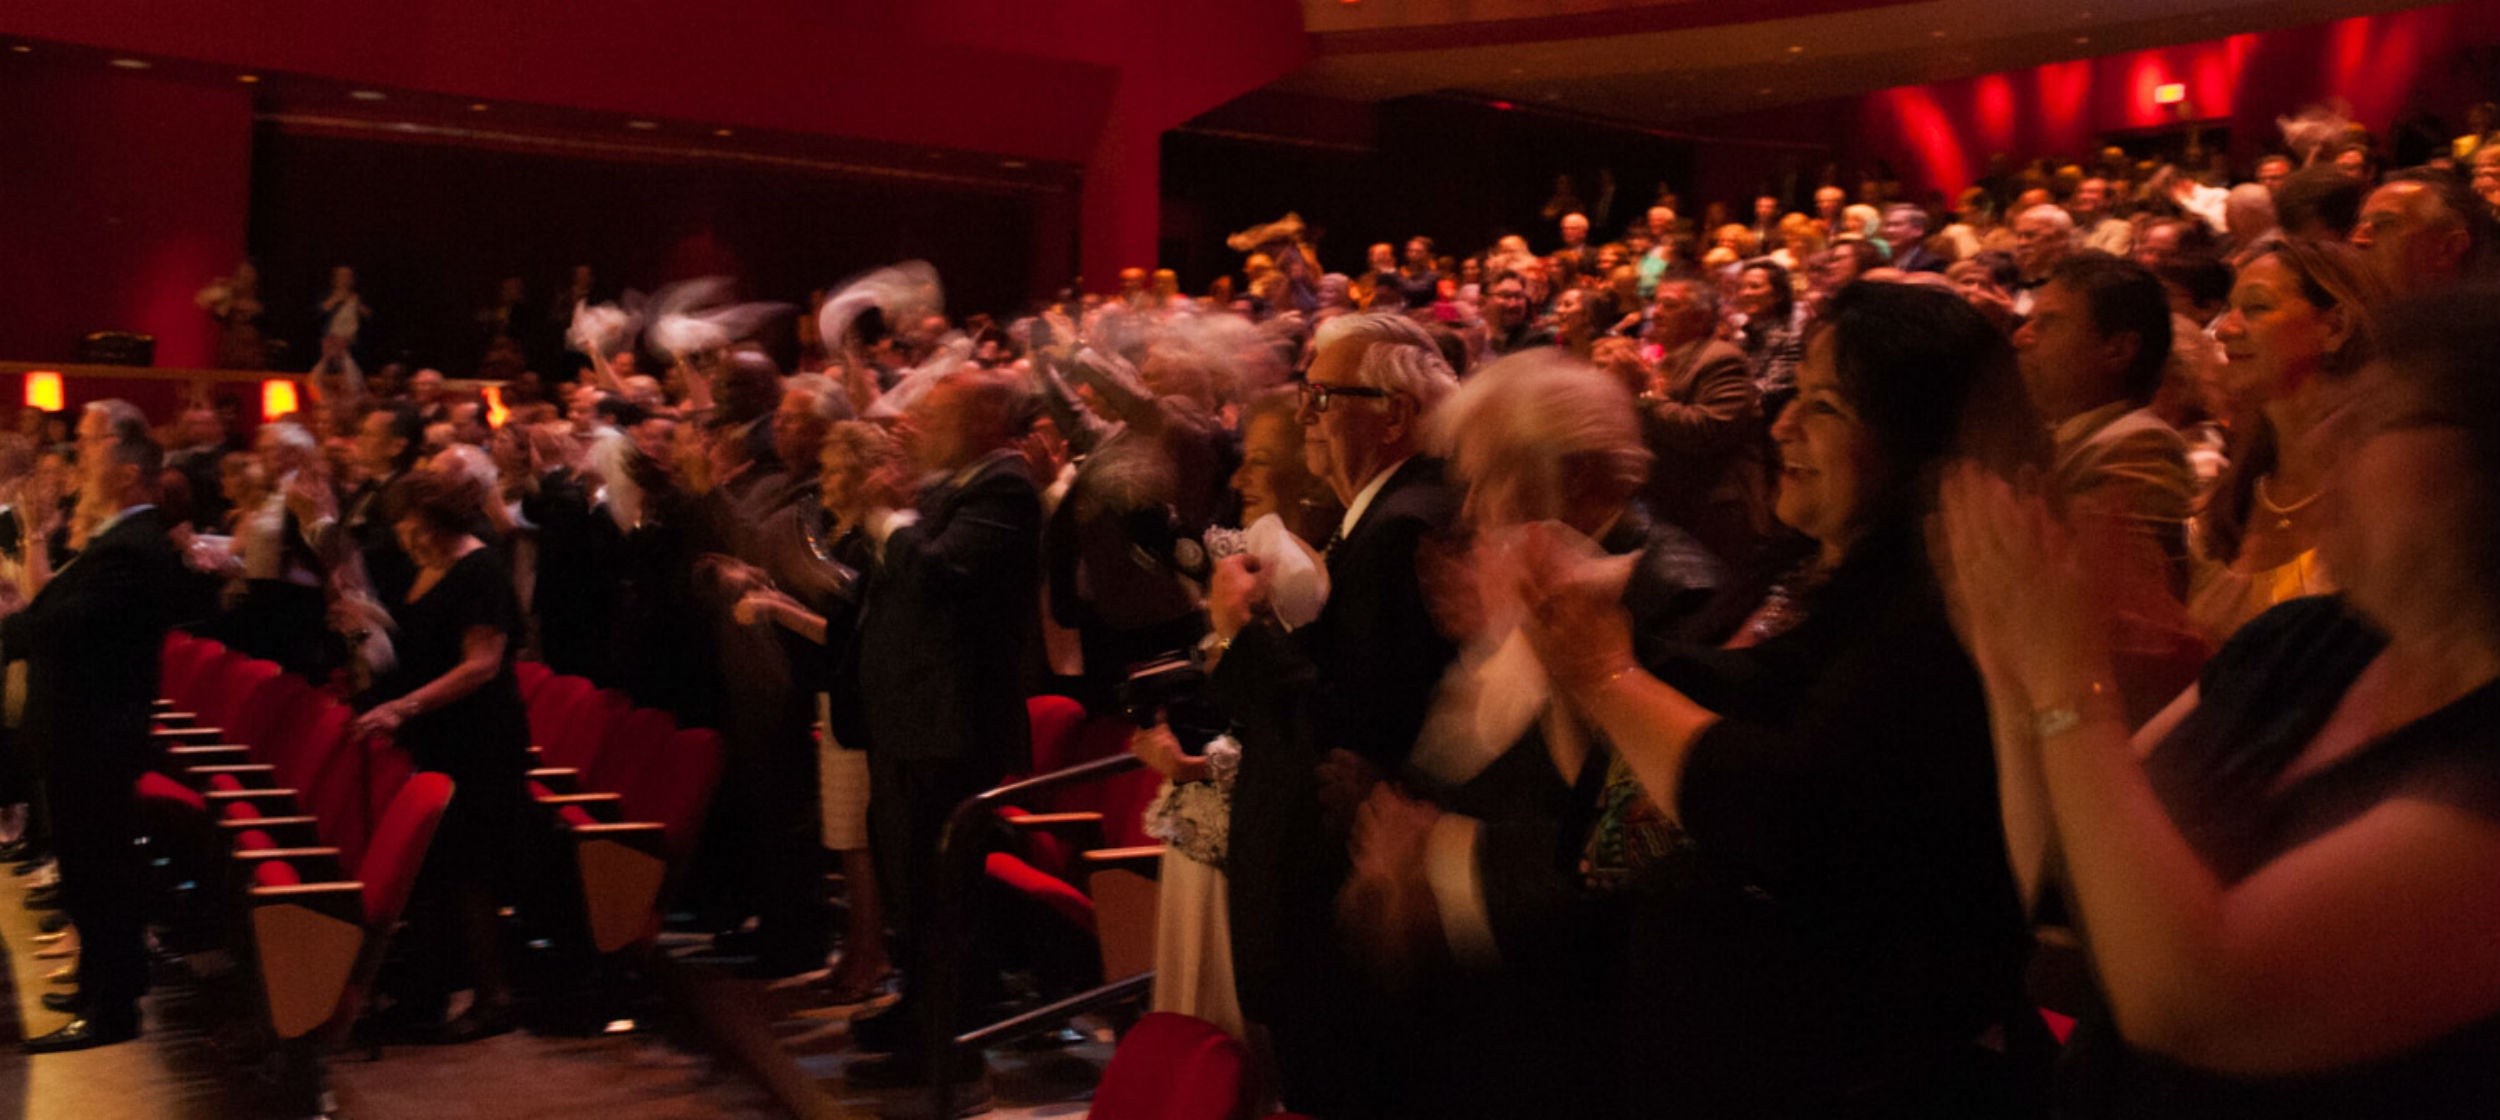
x=122, y=194
x=1090, y=81
x=1940, y=136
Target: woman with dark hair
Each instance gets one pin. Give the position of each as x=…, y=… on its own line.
x=1771, y=336
x=1799, y=828
x=2299, y=324
x=2284, y=881
x=452, y=703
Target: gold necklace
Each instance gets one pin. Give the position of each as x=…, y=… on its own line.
x=2282, y=514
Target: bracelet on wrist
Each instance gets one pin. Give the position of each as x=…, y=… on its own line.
x=2071, y=713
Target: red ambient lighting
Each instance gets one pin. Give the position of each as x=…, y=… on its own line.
x=1504, y=106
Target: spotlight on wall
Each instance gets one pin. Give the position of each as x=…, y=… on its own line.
x=277, y=398
x=43, y=390
x=2170, y=94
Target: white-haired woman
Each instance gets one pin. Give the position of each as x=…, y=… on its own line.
x=1535, y=437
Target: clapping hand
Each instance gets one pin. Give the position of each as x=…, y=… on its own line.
x=1386, y=906
x=1575, y=619
x=762, y=605
x=2013, y=586
x=1236, y=593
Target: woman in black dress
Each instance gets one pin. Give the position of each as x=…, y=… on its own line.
x=452, y=703
x=1797, y=834
x=2289, y=881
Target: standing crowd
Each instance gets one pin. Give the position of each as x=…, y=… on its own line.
x=1680, y=671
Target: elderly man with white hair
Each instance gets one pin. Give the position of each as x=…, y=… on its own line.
x=1321, y=711
x=2043, y=236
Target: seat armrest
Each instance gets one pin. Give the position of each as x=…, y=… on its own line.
x=1146, y=860
x=208, y=752
x=1054, y=822
x=189, y=734
x=251, y=823
x=608, y=806
x=558, y=779
x=286, y=853
x=240, y=771
x=644, y=836
x=249, y=794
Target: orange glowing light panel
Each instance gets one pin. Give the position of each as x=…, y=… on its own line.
x=43, y=390
x=495, y=410
x=277, y=398
x=2170, y=94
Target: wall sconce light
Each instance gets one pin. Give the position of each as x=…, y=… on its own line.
x=277, y=398
x=43, y=390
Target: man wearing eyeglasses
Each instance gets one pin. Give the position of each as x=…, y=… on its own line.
x=1323, y=711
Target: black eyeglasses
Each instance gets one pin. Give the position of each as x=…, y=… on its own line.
x=1317, y=397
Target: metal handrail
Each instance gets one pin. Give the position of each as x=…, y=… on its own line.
x=957, y=875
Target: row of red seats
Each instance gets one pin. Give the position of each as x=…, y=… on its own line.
x=321, y=834
x=628, y=790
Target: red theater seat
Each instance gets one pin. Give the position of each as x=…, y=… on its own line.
x=1174, y=1067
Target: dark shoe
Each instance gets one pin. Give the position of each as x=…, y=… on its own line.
x=885, y=1030
x=64, y=1002
x=17, y=851
x=479, y=1021
x=44, y=898
x=971, y=1074
x=55, y=921
x=780, y=966
x=29, y=865
x=81, y=1034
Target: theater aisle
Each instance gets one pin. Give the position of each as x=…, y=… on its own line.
x=174, y=1073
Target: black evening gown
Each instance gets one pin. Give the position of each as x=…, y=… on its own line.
x=481, y=740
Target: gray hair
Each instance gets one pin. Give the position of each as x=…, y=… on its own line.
x=467, y=461
x=1705, y=293
x=2249, y=210
x=1398, y=356
x=2055, y=215
x=832, y=404
x=291, y=436
x=1914, y=215
x=1542, y=411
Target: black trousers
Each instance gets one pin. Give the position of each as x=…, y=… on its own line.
x=103, y=878
x=908, y=802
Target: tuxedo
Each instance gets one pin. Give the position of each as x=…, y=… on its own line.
x=951, y=611
x=1360, y=677
x=92, y=640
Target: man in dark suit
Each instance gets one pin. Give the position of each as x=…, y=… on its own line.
x=951, y=615
x=1905, y=228
x=1701, y=418
x=1325, y=710
x=91, y=638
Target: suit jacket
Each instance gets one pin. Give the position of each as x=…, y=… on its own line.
x=1916, y=258
x=1361, y=677
x=1706, y=431
x=92, y=639
x=951, y=609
